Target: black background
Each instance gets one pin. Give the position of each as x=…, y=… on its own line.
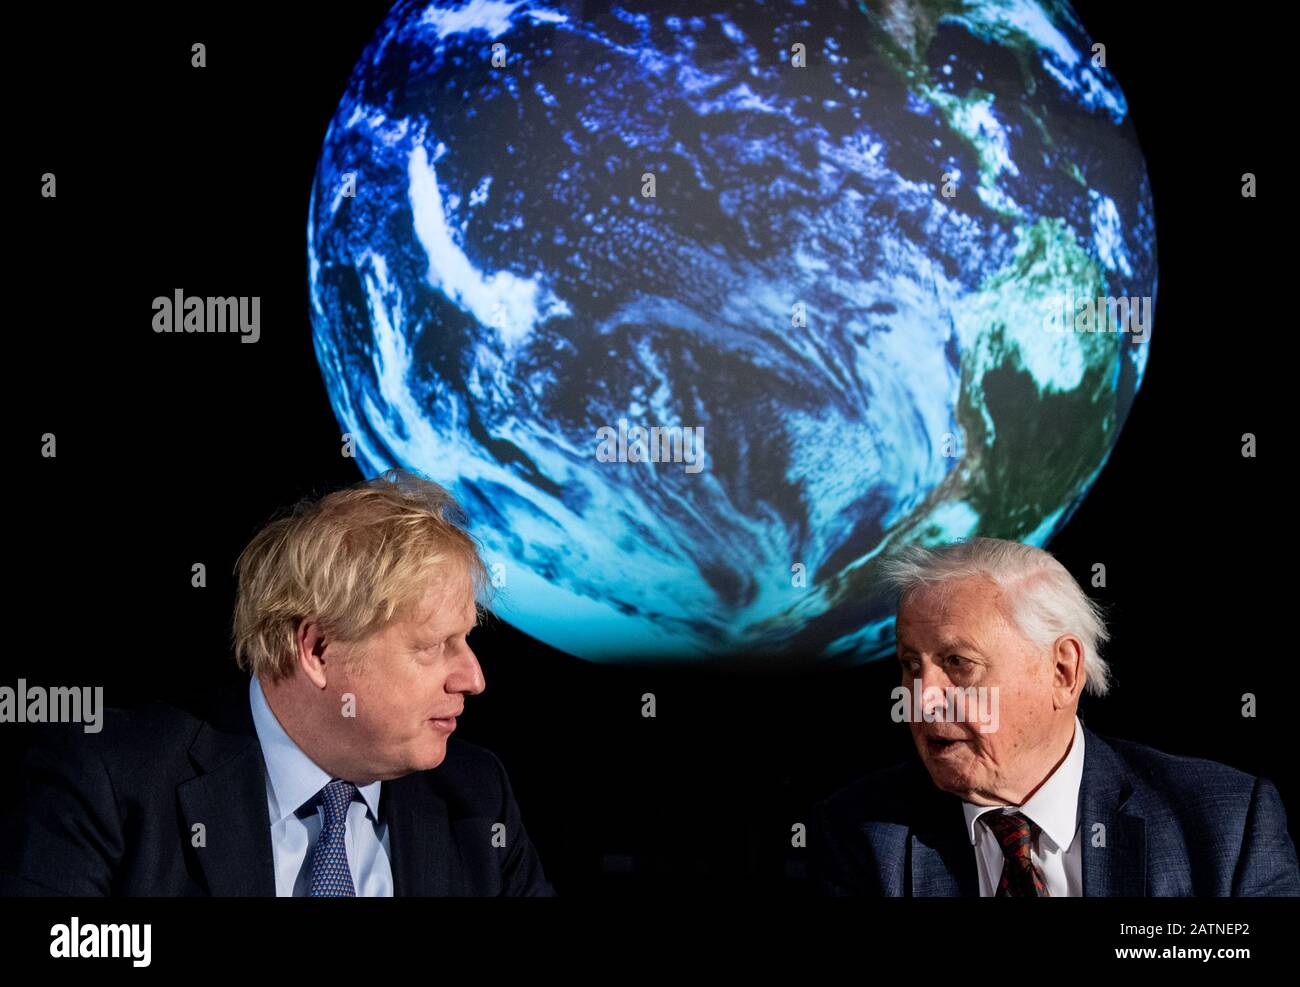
x=175, y=449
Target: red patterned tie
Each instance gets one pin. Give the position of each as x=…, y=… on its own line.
x=1020, y=878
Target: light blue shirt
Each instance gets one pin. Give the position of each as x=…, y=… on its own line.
x=293, y=780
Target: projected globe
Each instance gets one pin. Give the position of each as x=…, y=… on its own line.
x=874, y=274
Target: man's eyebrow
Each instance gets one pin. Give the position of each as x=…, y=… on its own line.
x=946, y=645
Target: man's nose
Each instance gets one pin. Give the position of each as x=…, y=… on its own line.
x=468, y=676
x=932, y=683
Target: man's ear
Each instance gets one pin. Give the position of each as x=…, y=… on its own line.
x=310, y=641
x=1067, y=670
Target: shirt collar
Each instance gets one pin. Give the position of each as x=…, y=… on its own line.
x=1054, y=808
x=292, y=777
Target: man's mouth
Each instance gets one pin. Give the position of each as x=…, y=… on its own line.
x=446, y=722
x=942, y=745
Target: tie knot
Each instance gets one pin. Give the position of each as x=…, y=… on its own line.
x=335, y=799
x=1013, y=830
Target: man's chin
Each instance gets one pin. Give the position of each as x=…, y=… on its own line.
x=413, y=761
x=431, y=758
x=952, y=778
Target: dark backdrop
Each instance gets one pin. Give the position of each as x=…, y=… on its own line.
x=172, y=452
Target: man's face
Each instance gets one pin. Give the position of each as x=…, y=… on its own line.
x=411, y=682
x=966, y=639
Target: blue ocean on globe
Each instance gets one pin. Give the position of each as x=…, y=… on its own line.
x=844, y=243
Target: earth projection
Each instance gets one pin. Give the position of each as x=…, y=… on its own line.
x=843, y=245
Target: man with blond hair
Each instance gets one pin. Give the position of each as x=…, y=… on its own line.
x=333, y=772
x=1012, y=796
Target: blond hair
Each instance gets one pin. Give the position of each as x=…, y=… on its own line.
x=352, y=561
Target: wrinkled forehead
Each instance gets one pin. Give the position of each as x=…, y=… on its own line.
x=447, y=602
x=950, y=611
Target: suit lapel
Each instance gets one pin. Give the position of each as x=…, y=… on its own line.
x=419, y=837
x=228, y=798
x=943, y=860
x=1117, y=868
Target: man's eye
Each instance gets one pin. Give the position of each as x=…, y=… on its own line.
x=956, y=660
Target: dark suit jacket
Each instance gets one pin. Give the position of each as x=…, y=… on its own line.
x=1174, y=826
x=111, y=813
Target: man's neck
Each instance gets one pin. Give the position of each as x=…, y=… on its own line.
x=1056, y=765
x=1037, y=780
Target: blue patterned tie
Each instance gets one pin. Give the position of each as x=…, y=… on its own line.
x=330, y=876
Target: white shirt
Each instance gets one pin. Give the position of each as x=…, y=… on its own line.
x=1054, y=808
x=292, y=780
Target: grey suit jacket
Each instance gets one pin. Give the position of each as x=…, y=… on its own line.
x=1172, y=826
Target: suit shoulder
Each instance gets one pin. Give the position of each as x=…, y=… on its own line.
x=1192, y=794
x=133, y=759
x=1180, y=776
x=471, y=778
x=129, y=735
x=882, y=794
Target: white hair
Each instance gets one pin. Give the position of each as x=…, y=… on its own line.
x=1043, y=598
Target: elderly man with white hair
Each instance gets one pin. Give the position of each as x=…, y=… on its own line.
x=1028, y=801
